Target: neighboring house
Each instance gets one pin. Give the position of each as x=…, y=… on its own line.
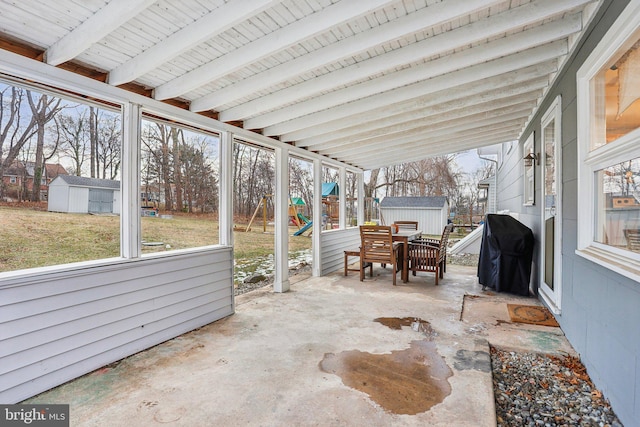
x=78, y=194
x=431, y=212
x=18, y=179
x=572, y=180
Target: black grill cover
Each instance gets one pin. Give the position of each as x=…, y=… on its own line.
x=505, y=255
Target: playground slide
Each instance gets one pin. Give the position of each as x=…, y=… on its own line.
x=304, y=218
x=303, y=229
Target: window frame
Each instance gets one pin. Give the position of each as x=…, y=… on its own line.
x=590, y=161
x=150, y=115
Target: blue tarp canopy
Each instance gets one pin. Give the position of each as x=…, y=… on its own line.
x=330, y=189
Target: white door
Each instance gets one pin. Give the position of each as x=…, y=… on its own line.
x=551, y=227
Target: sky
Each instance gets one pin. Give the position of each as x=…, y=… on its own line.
x=468, y=161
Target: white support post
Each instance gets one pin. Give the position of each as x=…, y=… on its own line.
x=130, y=223
x=317, y=218
x=226, y=189
x=342, y=198
x=361, y=197
x=281, y=281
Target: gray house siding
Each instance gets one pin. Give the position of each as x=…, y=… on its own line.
x=600, y=309
x=95, y=316
x=333, y=245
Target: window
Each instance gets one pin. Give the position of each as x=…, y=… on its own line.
x=352, y=199
x=609, y=148
x=76, y=218
x=529, y=165
x=179, y=187
x=330, y=198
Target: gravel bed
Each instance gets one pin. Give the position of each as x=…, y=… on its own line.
x=463, y=259
x=534, y=389
x=249, y=285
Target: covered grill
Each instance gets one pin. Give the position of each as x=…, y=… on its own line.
x=505, y=255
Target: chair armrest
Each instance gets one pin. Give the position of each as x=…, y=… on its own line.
x=427, y=241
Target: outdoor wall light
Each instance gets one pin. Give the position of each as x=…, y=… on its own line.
x=529, y=159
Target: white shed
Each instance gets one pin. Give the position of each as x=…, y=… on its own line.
x=79, y=194
x=431, y=212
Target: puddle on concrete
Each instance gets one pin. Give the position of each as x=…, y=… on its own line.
x=395, y=322
x=414, y=323
x=404, y=382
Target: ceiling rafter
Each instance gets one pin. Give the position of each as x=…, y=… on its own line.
x=423, y=141
x=442, y=69
x=276, y=41
x=534, y=77
x=216, y=22
x=437, y=14
x=432, y=134
x=428, y=150
x=99, y=25
x=453, y=109
x=462, y=36
x=295, y=129
x=444, y=129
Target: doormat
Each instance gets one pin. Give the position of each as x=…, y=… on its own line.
x=531, y=314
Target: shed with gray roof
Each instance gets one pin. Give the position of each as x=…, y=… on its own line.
x=431, y=212
x=79, y=194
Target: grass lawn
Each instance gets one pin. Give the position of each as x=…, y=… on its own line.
x=36, y=238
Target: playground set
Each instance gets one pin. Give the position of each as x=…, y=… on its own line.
x=296, y=211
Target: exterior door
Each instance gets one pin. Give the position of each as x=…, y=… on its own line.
x=100, y=201
x=551, y=227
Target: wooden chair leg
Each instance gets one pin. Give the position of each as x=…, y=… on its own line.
x=394, y=272
x=346, y=261
x=437, y=273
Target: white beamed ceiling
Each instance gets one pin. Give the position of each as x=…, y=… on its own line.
x=369, y=82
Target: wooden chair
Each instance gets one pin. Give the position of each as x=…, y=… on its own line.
x=377, y=247
x=406, y=225
x=430, y=254
x=354, y=253
x=633, y=239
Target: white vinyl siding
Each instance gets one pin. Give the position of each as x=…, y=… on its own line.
x=95, y=316
x=333, y=245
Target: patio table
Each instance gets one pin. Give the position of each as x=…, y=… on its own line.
x=405, y=236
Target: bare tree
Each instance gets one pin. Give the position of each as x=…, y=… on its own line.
x=109, y=149
x=13, y=135
x=43, y=110
x=73, y=135
x=93, y=141
x=178, y=146
x=254, y=176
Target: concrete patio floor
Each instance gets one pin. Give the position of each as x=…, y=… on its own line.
x=325, y=353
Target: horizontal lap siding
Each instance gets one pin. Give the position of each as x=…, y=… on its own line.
x=333, y=245
x=430, y=220
x=57, y=327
